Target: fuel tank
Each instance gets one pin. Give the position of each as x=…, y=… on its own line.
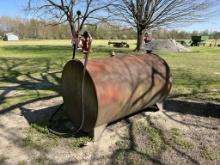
x=114, y=88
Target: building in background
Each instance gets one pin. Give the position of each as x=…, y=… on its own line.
x=10, y=37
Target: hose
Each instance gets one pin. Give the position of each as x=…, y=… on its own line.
x=82, y=104
x=83, y=85
x=83, y=94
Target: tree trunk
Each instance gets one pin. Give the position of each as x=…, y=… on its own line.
x=140, y=39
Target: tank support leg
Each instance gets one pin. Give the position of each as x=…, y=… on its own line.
x=160, y=106
x=97, y=133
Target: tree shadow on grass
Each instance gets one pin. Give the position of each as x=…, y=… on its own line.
x=38, y=49
x=27, y=80
x=197, y=85
x=19, y=142
x=38, y=116
x=28, y=92
x=129, y=148
x=128, y=152
x=50, y=50
x=186, y=108
x=20, y=85
x=204, y=109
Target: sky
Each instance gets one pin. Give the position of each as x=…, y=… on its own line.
x=14, y=8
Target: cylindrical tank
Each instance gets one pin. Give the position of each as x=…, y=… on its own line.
x=114, y=87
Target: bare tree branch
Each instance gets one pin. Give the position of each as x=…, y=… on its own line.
x=60, y=11
x=148, y=14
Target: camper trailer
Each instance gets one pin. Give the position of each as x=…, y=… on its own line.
x=10, y=37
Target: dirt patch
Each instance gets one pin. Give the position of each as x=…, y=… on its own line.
x=186, y=132
x=180, y=134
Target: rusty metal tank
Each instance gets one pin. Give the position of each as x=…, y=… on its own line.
x=114, y=88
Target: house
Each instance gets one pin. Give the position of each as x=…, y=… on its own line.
x=10, y=37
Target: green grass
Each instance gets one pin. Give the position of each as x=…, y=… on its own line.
x=179, y=140
x=141, y=144
x=153, y=134
x=196, y=73
x=208, y=153
x=59, y=49
x=22, y=162
x=38, y=137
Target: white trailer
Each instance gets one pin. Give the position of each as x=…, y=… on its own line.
x=10, y=37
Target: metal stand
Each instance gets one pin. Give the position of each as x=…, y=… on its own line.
x=160, y=105
x=97, y=132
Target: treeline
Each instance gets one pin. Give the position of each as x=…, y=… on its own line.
x=38, y=29
x=32, y=29
x=178, y=35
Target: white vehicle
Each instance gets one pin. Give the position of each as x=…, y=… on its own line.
x=10, y=37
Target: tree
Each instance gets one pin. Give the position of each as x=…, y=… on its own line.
x=145, y=15
x=61, y=11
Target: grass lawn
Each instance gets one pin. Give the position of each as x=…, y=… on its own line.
x=196, y=73
x=35, y=67
x=30, y=71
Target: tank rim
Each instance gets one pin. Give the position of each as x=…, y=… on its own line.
x=92, y=82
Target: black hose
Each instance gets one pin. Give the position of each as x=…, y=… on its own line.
x=51, y=130
x=75, y=132
x=82, y=93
